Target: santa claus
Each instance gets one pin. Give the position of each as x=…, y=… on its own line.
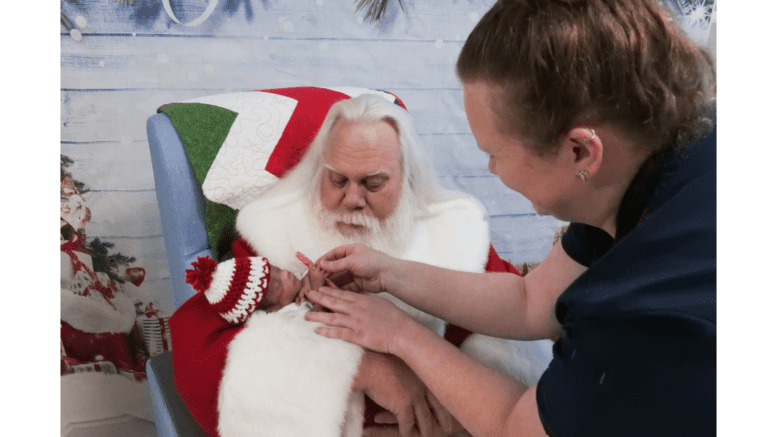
x=365, y=178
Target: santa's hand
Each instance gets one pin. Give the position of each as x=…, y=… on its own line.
x=363, y=263
x=366, y=320
x=444, y=424
x=392, y=385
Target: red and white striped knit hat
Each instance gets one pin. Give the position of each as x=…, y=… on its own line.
x=234, y=287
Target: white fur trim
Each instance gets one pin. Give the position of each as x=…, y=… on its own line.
x=453, y=235
x=354, y=415
x=95, y=315
x=283, y=379
x=524, y=361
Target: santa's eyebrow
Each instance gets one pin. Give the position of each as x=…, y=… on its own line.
x=380, y=173
x=380, y=176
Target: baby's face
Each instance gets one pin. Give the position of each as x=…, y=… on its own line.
x=281, y=291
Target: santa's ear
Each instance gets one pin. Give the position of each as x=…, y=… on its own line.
x=585, y=149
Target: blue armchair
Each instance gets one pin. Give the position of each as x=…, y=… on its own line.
x=183, y=225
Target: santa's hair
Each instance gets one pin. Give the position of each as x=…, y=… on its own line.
x=420, y=180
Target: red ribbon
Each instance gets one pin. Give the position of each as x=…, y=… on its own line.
x=73, y=245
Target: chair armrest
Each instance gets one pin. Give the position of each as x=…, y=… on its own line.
x=172, y=416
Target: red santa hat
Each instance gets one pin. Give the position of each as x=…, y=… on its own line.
x=234, y=287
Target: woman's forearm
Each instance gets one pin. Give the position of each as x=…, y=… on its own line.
x=499, y=304
x=485, y=401
x=471, y=300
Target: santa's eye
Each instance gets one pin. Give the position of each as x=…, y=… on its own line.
x=375, y=182
x=338, y=180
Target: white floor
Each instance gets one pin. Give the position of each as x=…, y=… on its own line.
x=97, y=404
x=122, y=426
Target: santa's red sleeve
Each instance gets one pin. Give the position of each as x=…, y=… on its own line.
x=497, y=264
x=201, y=339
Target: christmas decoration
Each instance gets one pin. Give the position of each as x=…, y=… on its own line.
x=155, y=329
x=695, y=17
x=376, y=9
x=98, y=329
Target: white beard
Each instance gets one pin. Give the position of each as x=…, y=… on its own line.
x=391, y=235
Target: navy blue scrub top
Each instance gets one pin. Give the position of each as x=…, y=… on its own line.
x=638, y=353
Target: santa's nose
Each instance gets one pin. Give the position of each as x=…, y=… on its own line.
x=354, y=197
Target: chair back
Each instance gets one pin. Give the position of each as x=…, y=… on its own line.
x=181, y=204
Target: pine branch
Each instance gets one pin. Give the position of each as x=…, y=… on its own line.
x=109, y=264
x=376, y=8
x=65, y=161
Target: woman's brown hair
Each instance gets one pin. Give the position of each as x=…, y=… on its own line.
x=561, y=62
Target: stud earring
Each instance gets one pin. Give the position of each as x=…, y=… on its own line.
x=582, y=174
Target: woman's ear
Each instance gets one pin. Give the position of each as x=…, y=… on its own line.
x=586, y=149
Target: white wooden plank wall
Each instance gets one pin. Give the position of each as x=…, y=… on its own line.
x=132, y=59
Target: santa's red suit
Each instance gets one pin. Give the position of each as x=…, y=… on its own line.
x=273, y=375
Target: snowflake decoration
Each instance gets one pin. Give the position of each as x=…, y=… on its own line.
x=698, y=13
x=695, y=16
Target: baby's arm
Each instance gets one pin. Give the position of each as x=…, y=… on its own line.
x=312, y=281
x=316, y=277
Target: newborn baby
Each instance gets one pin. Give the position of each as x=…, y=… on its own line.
x=285, y=287
x=239, y=286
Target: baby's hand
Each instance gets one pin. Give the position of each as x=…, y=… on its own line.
x=302, y=297
x=317, y=276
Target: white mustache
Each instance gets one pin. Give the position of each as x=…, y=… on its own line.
x=354, y=218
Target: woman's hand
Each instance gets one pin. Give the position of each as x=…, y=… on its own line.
x=368, y=321
x=364, y=264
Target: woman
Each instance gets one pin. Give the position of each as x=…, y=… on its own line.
x=600, y=113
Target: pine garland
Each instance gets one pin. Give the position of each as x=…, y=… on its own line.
x=376, y=9
x=103, y=262
x=80, y=187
